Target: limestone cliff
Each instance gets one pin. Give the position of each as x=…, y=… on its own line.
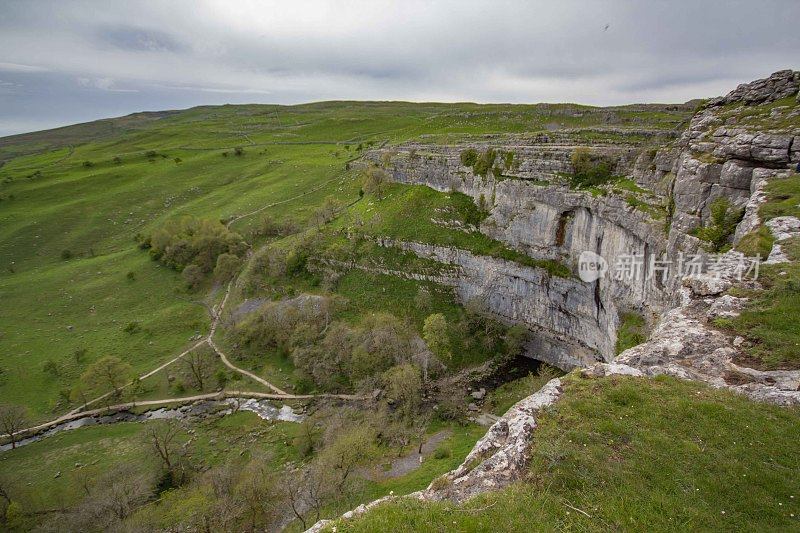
x=727, y=150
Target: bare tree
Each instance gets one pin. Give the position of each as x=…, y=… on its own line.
x=198, y=366
x=294, y=491
x=162, y=437
x=115, y=495
x=13, y=418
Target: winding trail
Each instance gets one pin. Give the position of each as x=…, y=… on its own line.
x=216, y=315
x=221, y=354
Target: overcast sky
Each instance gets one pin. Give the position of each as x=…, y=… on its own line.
x=65, y=61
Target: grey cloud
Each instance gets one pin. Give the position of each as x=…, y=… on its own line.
x=137, y=39
x=181, y=53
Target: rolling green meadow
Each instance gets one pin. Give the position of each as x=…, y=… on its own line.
x=72, y=201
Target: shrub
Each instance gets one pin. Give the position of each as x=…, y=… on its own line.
x=238, y=151
x=227, y=267
x=132, y=327
x=442, y=452
x=130, y=276
x=88, y=164
x=375, y=181
x=508, y=160
x=190, y=240
x=50, y=367
x=65, y=255
x=222, y=378
x=326, y=212
x=590, y=169
x=721, y=225
x=469, y=157
x=485, y=162
x=192, y=275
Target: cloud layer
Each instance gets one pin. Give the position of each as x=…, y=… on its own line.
x=64, y=62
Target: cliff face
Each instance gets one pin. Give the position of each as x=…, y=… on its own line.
x=573, y=323
x=727, y=150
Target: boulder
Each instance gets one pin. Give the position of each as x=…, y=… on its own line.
x=478, y=394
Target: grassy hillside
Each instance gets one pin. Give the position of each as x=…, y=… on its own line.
x=73, y=199
x=635, y=455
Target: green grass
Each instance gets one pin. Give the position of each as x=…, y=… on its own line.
x=759, y=117
x=31, y=471
x=506, y=395
x=769, y=319
x=636, y=455
x=50, y=202
x=757, y=242
x=783, y=198
x=398, y=216
x=632, y=331
x=626, y=184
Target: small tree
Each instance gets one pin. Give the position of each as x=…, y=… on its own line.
x=227, y=267
x=192, y=275
x=13, y=418
x=434, y=331
x=259, y=493
x=161, y=436
x=106, y=373
x=375, y=182
x=404, y=386
x=340, y=458
x=326, y=212
x=198, y=366
x=722, y=225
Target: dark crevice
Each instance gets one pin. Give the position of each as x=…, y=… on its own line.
x=561, y=230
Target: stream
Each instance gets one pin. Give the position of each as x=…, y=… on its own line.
x=262, y=408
